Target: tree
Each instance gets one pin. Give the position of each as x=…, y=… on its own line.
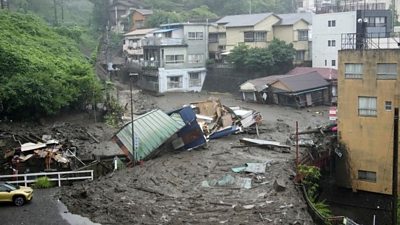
x=43, y=71
x=277, y=58
x=162, y=17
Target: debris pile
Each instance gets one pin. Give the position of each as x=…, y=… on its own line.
x=186, y=128
x=319, y=144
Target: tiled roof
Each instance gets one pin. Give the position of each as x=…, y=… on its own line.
x=303, y=82
x=327, y=73
x=243, y=20
x=292, y=18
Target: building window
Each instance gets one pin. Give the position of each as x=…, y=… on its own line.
x=300, y=55
x=174, y=59
x=379, y=21
x=194, y=79
x=353, y=70
x=333, y=62
x=386, y=71
x=196, y=58
x=195, y=35
x=303, y=35
x=388, y=105
x=174, y=82
x=331, y=43
x=367, y=176
x=331, y=23
x=253, y=36
x=213, y=38
x=326, y=62
x=367, y=106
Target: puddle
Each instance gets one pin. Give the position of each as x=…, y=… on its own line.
x=73, y=219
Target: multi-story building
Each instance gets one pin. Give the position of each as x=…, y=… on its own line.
x=369, y=93
x=328, y=29
x=139, y=17
x=258, y=30
x=132, y=46
x=174, y=58
x=296, y=28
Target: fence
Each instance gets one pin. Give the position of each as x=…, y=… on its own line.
x=53, y=176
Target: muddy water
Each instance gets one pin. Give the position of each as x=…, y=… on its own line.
x=73, y=219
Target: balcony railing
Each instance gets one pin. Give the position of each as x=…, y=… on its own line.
x=370, y=41
x=161, y=41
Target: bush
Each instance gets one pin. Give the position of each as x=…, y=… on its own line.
x=43, y=183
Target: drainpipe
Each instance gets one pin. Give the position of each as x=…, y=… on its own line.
x=395, y=164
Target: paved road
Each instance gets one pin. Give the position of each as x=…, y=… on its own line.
x=44, y=209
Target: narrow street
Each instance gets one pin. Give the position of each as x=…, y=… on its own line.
x=44, y=209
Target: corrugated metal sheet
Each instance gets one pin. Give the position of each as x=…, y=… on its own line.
x=151, y=131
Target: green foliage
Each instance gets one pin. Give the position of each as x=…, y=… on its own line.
x=323, y=209
x=42, y=71
x=74, y=32
x=114, y=113
x=311, y=176
x=43, y=183
x=277, y=58
x=162, y=17
x=223, y=7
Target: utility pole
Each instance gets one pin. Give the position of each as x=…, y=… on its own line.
x=395, y=164
x=55, y=12
x=62, y=11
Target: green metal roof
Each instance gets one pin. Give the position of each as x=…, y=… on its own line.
x=151, y=131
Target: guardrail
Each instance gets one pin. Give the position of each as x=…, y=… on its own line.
x=29, y=178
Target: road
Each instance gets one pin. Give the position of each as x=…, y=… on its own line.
x=44, y=209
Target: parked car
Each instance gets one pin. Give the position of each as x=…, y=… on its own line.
x=16, y=194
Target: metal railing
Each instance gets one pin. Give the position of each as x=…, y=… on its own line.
x=370, y=40
x=162, y=41
x=29, y=178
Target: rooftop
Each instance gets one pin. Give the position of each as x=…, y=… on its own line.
x=244, y=20
x=140, y=32
x=292, y=18
x=326, y=73
x=307, y=81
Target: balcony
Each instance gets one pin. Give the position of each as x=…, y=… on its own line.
x=370, y=41
x=162, y=41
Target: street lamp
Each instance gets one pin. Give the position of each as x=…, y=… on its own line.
x=131, y=76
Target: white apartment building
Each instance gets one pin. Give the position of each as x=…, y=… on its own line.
x=327, y=31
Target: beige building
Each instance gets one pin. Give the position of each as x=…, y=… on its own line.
x=369, y=92
x=258, y=30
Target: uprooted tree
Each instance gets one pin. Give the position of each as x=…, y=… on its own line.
x=42, y=71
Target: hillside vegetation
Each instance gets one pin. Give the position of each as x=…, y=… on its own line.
x=42, y=71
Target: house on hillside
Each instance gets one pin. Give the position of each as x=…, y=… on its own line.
x=258, y=30
x=328, y=74
x=139, y=17
x=119, y=12
x=174, y=58
x=132, y=47
x=303, y=90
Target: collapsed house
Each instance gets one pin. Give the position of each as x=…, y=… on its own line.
x=302, y=90
x=186, y=128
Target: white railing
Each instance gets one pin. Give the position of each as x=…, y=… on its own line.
x=53, y=176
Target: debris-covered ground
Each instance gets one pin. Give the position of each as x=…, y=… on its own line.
x=199, y=186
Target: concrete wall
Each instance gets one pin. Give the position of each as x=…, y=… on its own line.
x=369, y=140
x=163, y=76
x=345, y=23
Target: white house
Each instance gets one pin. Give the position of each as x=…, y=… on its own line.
x=174, y=58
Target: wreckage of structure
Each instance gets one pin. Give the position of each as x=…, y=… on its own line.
x=186, y=128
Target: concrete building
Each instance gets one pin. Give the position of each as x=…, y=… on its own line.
x=132, y=46
x=258, y=30
x=139, y=17
x=328, y=29
x=174, y=58
x=369, y=92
